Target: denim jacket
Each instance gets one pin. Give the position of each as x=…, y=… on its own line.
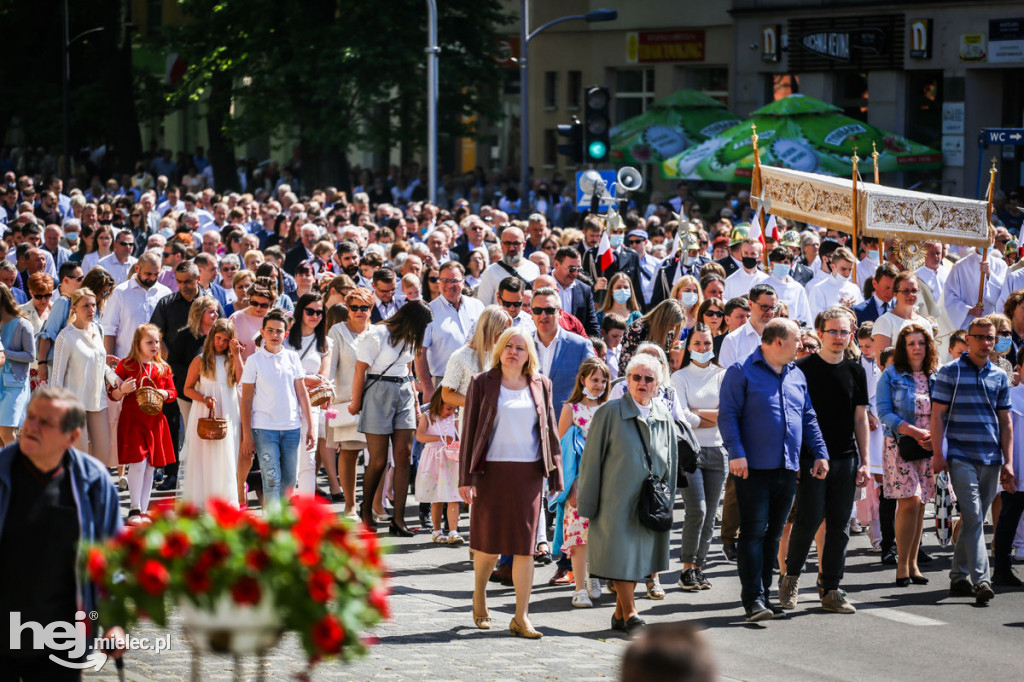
x=895, y=397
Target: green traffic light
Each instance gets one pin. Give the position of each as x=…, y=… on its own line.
x=597, y=150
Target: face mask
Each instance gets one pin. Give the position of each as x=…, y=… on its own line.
x=780, y=270
x=1003, y=344
x=873, y=255
x=749, y=263
x=688, y=299
x=622, y=296
x=588, y=394
x=841, y=278
x=616, y=240
x=689, y=260
x=72, y=237
x=706, y=356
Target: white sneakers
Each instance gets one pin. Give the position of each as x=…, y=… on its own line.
x=581, y=600
x=594, y=587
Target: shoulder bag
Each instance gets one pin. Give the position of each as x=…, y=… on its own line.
x=655, y=506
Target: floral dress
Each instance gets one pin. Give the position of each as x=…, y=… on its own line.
x=902, y=479
x=575, y=526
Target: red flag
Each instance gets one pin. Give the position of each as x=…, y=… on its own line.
x=605, y=255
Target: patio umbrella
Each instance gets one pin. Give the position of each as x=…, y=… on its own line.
x=671, y=125
x=801, y=133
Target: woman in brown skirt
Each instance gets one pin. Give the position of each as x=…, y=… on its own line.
x=509, y=445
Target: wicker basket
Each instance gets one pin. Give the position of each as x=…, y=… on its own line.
x=149, y=398
x=211, y=427
x=322, y=395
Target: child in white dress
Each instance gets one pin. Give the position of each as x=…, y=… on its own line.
x=437, y=478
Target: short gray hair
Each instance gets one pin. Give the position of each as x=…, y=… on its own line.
x=652, y=350
x=548, y=291
x=645, y=360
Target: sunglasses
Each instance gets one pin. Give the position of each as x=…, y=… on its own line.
x=126, y=243
x=359, y=308
x=573, y=269
x=313, y=312
x=634, y=242
x=713, y=313
x=512, y=304
x=259, y=306
x=78, y=279
x=641, y=378
x=433, y=279
x=546, y=311
x=42, y=297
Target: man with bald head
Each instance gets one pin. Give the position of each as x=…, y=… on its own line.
x=512, y=263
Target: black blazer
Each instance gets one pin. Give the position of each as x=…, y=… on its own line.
x=729, y=264
x=665, y=278
x=583, y=308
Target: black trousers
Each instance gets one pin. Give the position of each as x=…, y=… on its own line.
x=829, y=500
x=1006, y=529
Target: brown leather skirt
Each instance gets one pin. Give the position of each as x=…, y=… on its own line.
x=504, y=516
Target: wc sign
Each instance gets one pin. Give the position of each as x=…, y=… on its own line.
x=921, y=39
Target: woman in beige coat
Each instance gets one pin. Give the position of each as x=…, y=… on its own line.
x=612, y=471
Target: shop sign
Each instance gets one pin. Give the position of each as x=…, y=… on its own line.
x=972, y=47
x=679, y=45
x=921, y=39
x=1006, y=41
x=829, y=43
x=771, y=43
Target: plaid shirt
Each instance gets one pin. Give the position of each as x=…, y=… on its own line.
x=972, y=427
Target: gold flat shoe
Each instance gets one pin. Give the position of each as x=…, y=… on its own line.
x=517, y=630
x=482, y=622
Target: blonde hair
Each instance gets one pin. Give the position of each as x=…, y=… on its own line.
x=195, y=314
x=208, y=360
x=666, y=315
x=77, y=295
x=677, y=288
x=609, y=300
x=532, y=365
x=135, y=354
x=493, y=321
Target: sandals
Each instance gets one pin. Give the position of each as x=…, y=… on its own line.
x=654, y=589
x=454, y=538
x=438, y=537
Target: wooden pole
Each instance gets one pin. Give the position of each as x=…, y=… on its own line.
x=881, y=240
x=856, y=161
x=988, y=226
x=755, y=191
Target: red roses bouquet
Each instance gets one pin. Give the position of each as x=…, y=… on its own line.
x=324, y=577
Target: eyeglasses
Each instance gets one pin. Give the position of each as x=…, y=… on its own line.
x=126, y=243
x=512, y=304
x=359, y=308
x=713, y=313
x=634, y=242
x=168, y=254
x=1005, y=335
x=313, y=312
x=573, y=269
x=42, y=297
x=78, y=279
x=838, y=333
x=982, y=338
x=544, y=311
x=642, y=378
x=433, y=279
x=512, y=244
x=766, y=308
x=449, y=280
x=259, y=306
x=136, y=215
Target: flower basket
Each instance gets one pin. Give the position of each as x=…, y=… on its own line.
x=241, y=580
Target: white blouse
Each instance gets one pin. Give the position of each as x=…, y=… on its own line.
x=516, y=435
x=375, y=349
x=80, y=365
x=699, y=388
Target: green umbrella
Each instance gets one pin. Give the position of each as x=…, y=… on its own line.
x=801, y=133
x=673, y=124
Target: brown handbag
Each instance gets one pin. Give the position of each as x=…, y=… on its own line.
x=211, y=427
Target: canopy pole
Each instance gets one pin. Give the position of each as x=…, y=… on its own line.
x=988, y=226
x=881, y=240
x=856, y=161
x=755, y=191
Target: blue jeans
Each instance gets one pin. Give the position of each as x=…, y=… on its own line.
x=764, y=499
x=279, y=456
x=975, y=485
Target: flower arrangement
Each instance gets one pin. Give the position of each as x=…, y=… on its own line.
x=325, y=577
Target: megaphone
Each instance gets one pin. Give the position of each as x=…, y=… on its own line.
x=592, y=183
x=629, y=179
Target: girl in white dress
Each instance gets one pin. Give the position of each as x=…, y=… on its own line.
x=212, y=384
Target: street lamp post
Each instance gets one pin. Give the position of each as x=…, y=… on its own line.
x=525, y=36
x=432, y=51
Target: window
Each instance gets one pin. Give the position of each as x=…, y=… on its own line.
x=852, y=92
x=550, y=90
x=781, y=85
x=713, y=82
x=550, y=148
x=574, y=90
x=634, y=92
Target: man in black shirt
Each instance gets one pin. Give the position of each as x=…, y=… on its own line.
x=52, y=498
x=838, y=390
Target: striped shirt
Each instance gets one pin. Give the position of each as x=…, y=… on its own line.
x=972, y=427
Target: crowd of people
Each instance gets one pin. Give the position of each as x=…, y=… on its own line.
x=242, y=345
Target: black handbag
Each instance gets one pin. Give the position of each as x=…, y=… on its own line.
x=655, y=505
x=687, y=447
x=910, y=450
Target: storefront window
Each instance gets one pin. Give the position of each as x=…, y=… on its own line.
x=634, y=92
x=924, y=107
x=781, y=85
x=713, y=82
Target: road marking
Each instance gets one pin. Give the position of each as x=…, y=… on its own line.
x=901, y=616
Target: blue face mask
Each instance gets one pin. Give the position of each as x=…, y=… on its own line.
x=616, y=240
x=1003, y=344
x=689, y=260
x=780, y=270
x=702, y=358
x=688, y=298
x=622, y=296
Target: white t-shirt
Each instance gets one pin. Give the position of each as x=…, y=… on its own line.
x=891, y=325
x=275, y=406
x=375, y=349
x=515, y=437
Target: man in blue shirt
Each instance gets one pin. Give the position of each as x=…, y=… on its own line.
x=971, y=406
x=765, y=415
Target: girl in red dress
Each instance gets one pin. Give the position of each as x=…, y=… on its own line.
x=143, y=440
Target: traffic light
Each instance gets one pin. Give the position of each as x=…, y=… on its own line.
x=573, y=145
x=596, y=139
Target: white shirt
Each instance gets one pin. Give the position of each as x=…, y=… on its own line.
x=516, y=435
x=739, y=345
x=961, y=292
x=375, y=349
x=449, y=330
x=80, y=365
x=487, y=291
x=699, y=388
x=892, y=324
x=741, y=282
x=130, y=305
x=828, y=293
x=565, y=294
x=936, y=280
x=275, y=406
x=790, y=292
x=120, y=271
x=866, y=270
x=1014, y=280
x=546, y=354
x=386, y=310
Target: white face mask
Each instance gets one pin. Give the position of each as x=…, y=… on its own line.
x=841, y=278
x=702, y=358
x=688, y=298
x=591, y=396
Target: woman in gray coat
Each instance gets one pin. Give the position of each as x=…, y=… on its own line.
x=612, y=471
